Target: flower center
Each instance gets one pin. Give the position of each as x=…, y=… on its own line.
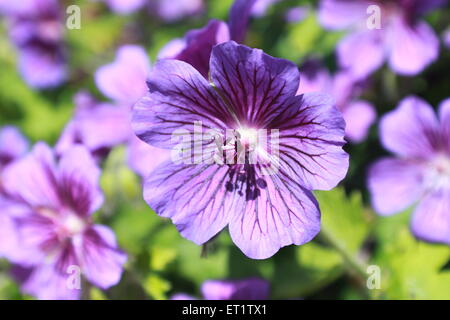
x=73, y=224
x=248, y=137
x=437, y=175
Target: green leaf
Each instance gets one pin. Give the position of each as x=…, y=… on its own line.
x=412, y=269
x=345, y=221
x=157, y=287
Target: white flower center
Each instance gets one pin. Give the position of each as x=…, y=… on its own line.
x=73, y=224
x=248, y=136
x=437, y=176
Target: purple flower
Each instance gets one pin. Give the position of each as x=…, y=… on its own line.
x=266, y=202
x=420, y=172
x=403, y=39
x=246, y=289
x=358, y=114
x=36, y=29
x=56, y=228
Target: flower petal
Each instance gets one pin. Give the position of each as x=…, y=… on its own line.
x=102, y=262
x=431, y=219
x=96, y=125
x=254, y=83
x=412, y=47
x=198, y=45
x=179, y=97
x=311, y=140
x=79, y=181
x=283, y=214
x=194, y=197
x=32, y=179
x=239, y=16
x=444, y=115
x=42, y=67
x=339, y=14
x=124, y=79
x=359, y=116
x=411, y=130
x=394, y=185
x=361, y=52
x=125, y=7
x=143, y=158
x=246, y=289
x=12, y=144
x=50, y=280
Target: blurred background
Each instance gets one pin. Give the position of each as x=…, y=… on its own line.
x=161, y=262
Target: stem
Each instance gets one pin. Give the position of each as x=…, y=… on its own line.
x=354, y=264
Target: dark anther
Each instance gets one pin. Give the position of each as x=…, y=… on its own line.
x=229, y=186
x=261, y=183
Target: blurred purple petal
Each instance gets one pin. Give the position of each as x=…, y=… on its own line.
x=101, y=260
x=13, y=145
x=361, y=53
x=359, y=116
x=124, y=79
x=431, y=219
x=96, y=125
x=239, y=16
x=198, y=45
x=338, y=14
x=143, y=158
x=42, y=66
x=411, y=130
x=173, y=10
x=37, y=183
x=125, y=7
x=412, y=48
x=246, y=289
x=395, y=184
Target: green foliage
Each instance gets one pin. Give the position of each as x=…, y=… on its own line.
x=412, y=269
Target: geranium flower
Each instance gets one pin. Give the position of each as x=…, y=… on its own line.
x=266, y=203
x=245, y=289
x=404, y=40
x=420, y=173
x=55, y=226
